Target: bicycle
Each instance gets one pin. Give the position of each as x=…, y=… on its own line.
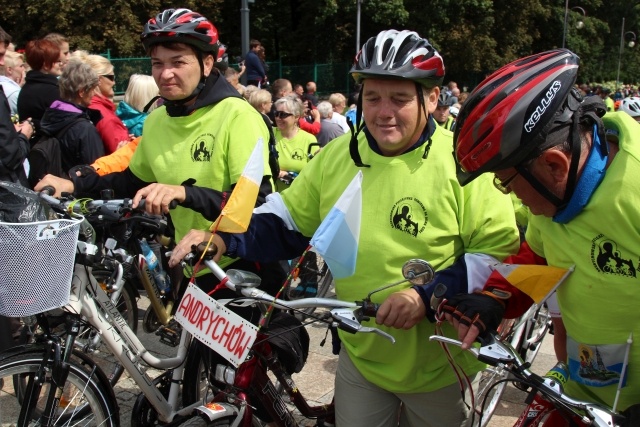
x=119, y=229
x=233, y=404
x=546, y=393
x=51, y=383
x=525, y=334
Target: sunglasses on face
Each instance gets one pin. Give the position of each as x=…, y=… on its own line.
x=282, y=114
x=111, y=77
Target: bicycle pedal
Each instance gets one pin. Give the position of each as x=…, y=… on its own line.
x=170, y=335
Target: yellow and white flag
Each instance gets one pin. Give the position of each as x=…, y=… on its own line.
x=236, y=213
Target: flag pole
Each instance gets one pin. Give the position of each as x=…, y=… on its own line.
x=624, y=370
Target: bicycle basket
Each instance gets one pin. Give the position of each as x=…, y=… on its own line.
x=36, y=265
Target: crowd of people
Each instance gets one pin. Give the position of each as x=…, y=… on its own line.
x=186, y=132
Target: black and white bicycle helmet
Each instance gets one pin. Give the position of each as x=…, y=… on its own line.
x=631, y=106
x=181, y=26
x=399, y=54
x=444, y=100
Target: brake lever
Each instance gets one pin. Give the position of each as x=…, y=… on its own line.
x=491, y=351
x=347, y=320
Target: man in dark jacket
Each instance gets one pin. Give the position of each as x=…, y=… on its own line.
x=256, y=74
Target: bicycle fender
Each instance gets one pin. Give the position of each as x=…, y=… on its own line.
x=217, y=410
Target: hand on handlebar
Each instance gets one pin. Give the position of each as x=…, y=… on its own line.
x=472, y=315
x=158, y=197
x=60, y=184
x=401, y=310
x=195, y=237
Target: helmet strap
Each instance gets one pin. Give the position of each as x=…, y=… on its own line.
x=356, y=128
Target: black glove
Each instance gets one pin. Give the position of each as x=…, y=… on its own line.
x=482, y=309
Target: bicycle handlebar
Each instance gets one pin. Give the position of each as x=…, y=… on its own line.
x=495, y=352
x=346, y=315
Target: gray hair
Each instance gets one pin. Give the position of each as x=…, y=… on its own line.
x=325, y=109
x=76, y=77
x=292, y=103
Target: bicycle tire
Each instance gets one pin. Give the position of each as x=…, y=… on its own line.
x=494, y=379
x=201, y=361
x=128, y=308
x=87, y=399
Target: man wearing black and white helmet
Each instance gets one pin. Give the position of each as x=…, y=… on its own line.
x=442, y=114
x=412, y=207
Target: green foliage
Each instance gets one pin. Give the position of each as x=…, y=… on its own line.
x=474, y=37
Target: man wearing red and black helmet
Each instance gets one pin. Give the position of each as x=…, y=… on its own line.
x=412, y=206
x=578, y=171
x=195, y=146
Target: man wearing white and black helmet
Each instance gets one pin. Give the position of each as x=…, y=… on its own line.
x=442, y=113
x=412, y=207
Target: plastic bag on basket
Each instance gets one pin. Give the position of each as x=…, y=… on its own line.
x=18, y=204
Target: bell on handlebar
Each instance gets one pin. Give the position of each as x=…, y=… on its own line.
x=418, y=271
x=209, y=252
x=107, y=194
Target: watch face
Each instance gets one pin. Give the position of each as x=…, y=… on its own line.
x=501, y=294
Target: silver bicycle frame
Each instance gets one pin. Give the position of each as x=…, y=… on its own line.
x=89, y=300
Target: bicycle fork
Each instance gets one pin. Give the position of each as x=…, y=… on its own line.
x=56, y=360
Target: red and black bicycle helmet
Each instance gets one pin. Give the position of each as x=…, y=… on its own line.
x=506, y=119
x=181, y=26
x=399, y=54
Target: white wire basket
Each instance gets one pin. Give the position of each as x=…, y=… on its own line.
x=36, y=265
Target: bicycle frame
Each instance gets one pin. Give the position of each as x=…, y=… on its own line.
x=86, y=298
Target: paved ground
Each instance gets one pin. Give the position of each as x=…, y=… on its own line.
x=316, y=379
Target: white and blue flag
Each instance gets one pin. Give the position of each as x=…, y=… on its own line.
x=336, y=240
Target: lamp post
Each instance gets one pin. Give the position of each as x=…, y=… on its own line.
x=579, y=24
x=632, y=43
x=359, y=7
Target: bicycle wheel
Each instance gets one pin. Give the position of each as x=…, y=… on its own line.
x=493, y=381
x=537, y=327
x=87, y=398
x=128, y=308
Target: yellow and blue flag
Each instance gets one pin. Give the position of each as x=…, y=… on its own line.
x=336, y=239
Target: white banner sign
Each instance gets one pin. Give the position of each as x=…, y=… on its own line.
x=220, y=329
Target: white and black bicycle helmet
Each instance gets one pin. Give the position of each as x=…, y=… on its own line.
x=631, y=106
x=399, y=54
x=395, y=54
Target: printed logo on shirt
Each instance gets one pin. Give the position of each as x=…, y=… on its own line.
x=596, y=365
x=298, y=154
x=607, y=258
x=202, y=148
x=409, y=215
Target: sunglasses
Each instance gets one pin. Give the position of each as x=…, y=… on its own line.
x=282, y=114
x=111, y=77
x=503, y=186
